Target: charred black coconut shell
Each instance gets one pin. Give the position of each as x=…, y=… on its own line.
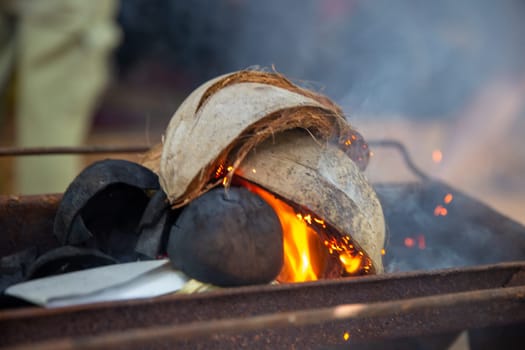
x=103, y=205
x=227, y=238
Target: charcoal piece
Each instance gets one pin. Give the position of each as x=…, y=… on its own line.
x=13, y=268
x=227, y=238
x=102, y=207
x=154, y=226
x=67, y=259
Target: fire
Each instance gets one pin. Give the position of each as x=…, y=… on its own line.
x=300, y=242
x=307, y=256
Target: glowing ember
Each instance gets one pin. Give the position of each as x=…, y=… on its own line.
x=346, y=336
x=437, y=156
x=309, y=251
x=410, y=242
x=219, y=171
x=448, y=198
x=440, y=211
x=351, y=263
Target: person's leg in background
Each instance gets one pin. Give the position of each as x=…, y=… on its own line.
x=63, y=55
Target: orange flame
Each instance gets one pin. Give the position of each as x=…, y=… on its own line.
x=300, y=246
x=306, y=255
x=448, y=198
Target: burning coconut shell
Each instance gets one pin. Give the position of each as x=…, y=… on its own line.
x=321, y=178
x=221, y=122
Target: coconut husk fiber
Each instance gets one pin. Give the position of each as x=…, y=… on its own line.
x=222, y=120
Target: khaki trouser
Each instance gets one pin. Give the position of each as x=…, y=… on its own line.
x=59, y=52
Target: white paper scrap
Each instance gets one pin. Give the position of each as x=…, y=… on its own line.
x=134, y=280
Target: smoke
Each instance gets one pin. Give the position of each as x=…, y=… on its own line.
x=420, y=59
x=416, y=59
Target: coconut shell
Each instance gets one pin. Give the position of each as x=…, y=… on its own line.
x=227, y=238
x=104, y=203
x=321, y=178
x=226, y=117
x=222, y=121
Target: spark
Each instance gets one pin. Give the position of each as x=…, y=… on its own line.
x=218, y=171
x=448, y=198
x=437, y=156
x=440, y=211
x=308, y=219
x=346, y=336
x=409, y=242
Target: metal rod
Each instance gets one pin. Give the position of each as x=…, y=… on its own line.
x=404, y=153
x=38, y=151
x=194, y=330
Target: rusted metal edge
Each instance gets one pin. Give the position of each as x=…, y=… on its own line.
x=430, y=282
x=27, y=221
x=61, y=150
x=200, y=330
x=36, y=324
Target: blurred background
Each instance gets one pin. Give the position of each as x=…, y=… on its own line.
x=446, y=78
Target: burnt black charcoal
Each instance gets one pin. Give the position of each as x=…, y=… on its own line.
x=227, y=238
x=103, y=206
x=67, y=259
x=155, y=225
x=13, y=268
